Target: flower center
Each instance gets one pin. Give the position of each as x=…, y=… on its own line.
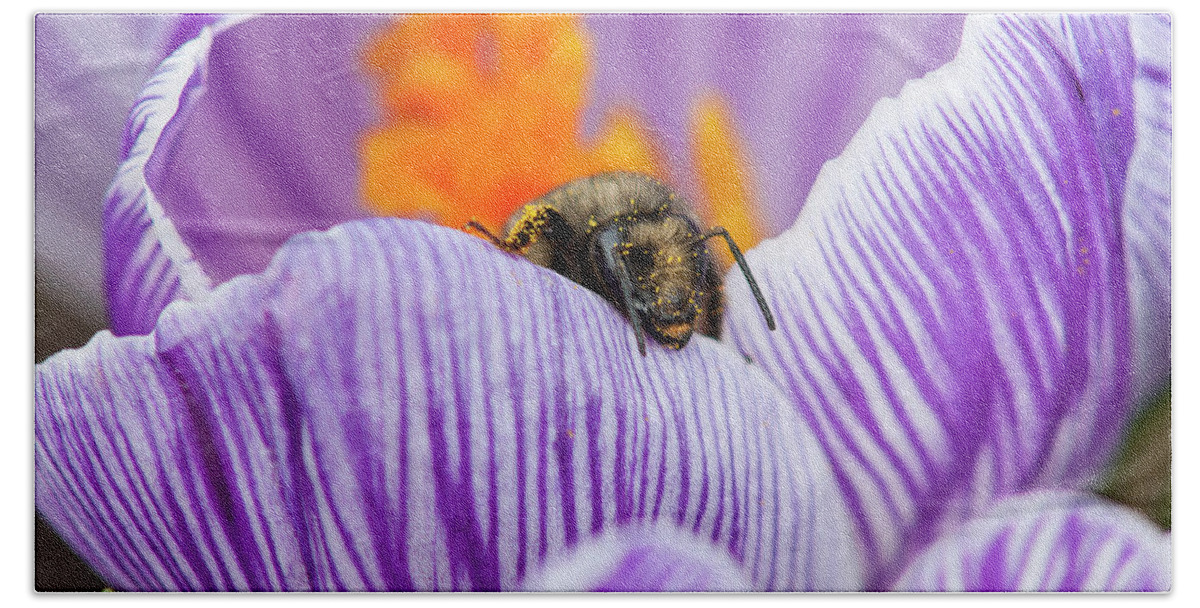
x=481, y=115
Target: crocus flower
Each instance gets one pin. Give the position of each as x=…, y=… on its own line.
x=971, y=299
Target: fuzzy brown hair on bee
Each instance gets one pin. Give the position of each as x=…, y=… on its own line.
x=631, y=239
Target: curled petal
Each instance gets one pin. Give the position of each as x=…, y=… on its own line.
x=662, y=559
x=954, y=300
x=392, y=405
x=1147, y=213
x=147, y=265
x=1047, y=541
x=245, y=136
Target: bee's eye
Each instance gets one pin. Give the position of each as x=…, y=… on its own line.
x=640, y=261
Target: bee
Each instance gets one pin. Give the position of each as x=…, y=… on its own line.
x=631, y=239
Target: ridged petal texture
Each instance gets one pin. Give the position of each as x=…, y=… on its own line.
x=393, y=405
x=1046, y=541
x=954, y=299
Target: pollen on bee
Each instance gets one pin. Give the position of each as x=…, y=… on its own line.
x=671, y=196
x=631, y=203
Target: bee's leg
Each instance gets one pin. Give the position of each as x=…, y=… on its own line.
x=741, y=261
x=614, y=260
x=535, y=221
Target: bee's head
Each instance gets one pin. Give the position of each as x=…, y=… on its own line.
x=665, y=266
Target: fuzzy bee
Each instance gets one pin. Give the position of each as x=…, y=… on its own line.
x=629, y=238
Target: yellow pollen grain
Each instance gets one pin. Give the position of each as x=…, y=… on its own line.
x=1116, y=112
x=1083, y=250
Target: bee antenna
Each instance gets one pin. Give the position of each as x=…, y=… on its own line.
x=741, y=262
x=480, y=228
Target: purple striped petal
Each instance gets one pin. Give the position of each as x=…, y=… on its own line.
x=393, y=405
x=271, y=147
x=798, y=85
x=1147, y=212
x=219, y=172
x=954, y=302
x=630, y=560
x=1047, y=541
x=147, y=266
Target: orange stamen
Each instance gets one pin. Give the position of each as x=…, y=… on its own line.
x=481, y=115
